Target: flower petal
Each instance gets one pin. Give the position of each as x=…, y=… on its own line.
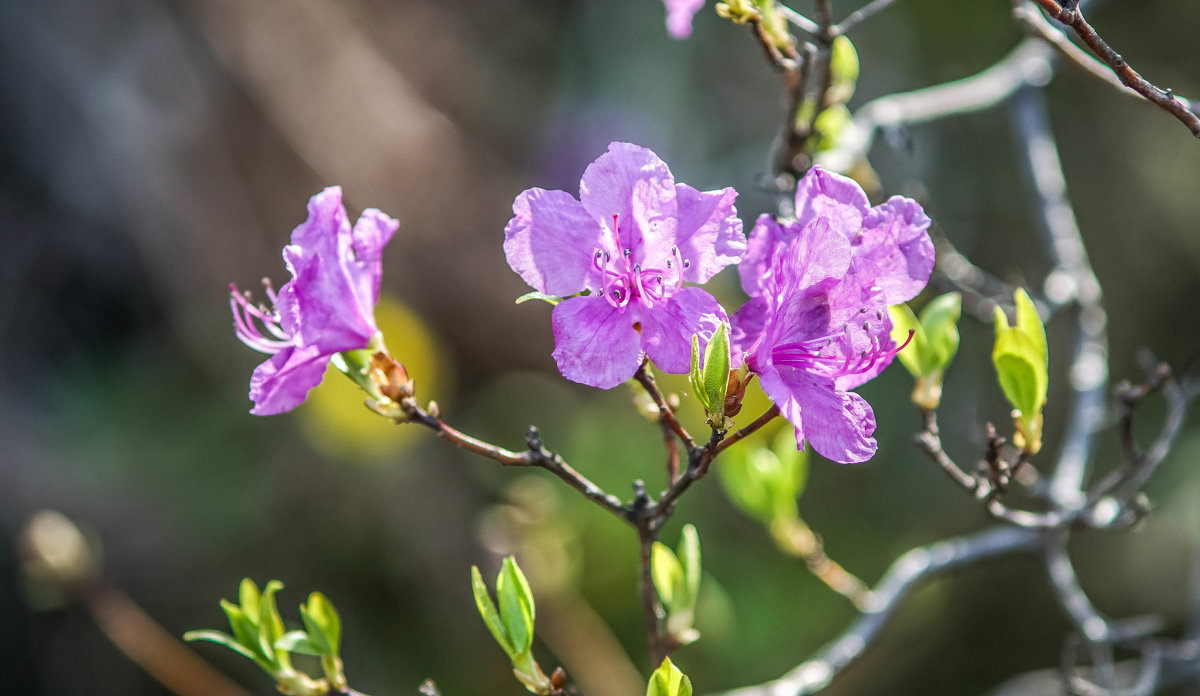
x=709, y=233
x=282, y=382
x=839, y=198
x=838, y=424
x=549, y=242
x=679, y=16
x=594, y=344
x=634, y=184
x=895, y=248
x=371, y=233
x=779, y=252
x=745, y=327
x=327, y=303
x=667, y=329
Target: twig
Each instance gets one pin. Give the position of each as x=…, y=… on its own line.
x=1072, y=17
x=536, y=455
x=798, y=20
x=1071, y=596
x=1027, y=64
x=930, y=441
x=647, y=534
x=1036, y=24
x=905, y=573
x=769, y=415
x=860, y=15
x=1125, y=481
x=645, y=377
x=699, y=459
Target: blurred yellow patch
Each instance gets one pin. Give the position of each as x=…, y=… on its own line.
x=333, y=417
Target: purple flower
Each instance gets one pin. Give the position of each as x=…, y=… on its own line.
x=631, y=240
x=817, y=324
x=679, y=16
x=326, y=308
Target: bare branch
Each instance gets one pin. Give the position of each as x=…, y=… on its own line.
x=645, y=377
x=1072, y=16
x=536, y=455
x=905, y=573
x=1027, y=64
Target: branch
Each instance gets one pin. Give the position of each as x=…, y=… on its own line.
x=1027, y=64
x=1139, y=465
x=858, y=16
x=536, y=456
x=1072, y=16
x=646, y=378
x=769, y=415
x=905, y=573
x=1071, y=280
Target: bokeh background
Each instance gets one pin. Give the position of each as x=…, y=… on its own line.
x=151, y=152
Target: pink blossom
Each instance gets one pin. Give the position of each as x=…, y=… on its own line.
x=679, y=16
x=326, y=308
x=630, y=241
x=817, y=324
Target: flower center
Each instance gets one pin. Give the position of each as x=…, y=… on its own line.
x=842, y=352
x=627, y=278
x=247, y=317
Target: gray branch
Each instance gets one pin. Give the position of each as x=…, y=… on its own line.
x=905, y=574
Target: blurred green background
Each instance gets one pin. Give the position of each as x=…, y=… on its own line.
x=153, y=152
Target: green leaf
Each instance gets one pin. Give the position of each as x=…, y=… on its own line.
x=716, y=372
x=1029, y=323
x=666, y=573
x=689, y=557
x=516, y=604
x=298, y=642
x=245, y=631
x=220, y=639
x=911, y=356
x=548, y=299
x=487, y=610
x=1021, y=361
x=667, y=680
x=843, y=67
x=248, y=597
x=323, y=623
x=696, y=377
x=939, y=322
x=270, y=623
x=1018, y=374
x=244, y=628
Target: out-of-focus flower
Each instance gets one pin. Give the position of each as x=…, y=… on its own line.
x=679, y=16
x=326, y=308
x=817, y=324
x=631, y=240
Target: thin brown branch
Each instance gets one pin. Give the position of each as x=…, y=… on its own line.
x=930, y=440
x=1036, y=24
x=769, y=415
x=1072, y=17
x=535, y=456
x=645, y=377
